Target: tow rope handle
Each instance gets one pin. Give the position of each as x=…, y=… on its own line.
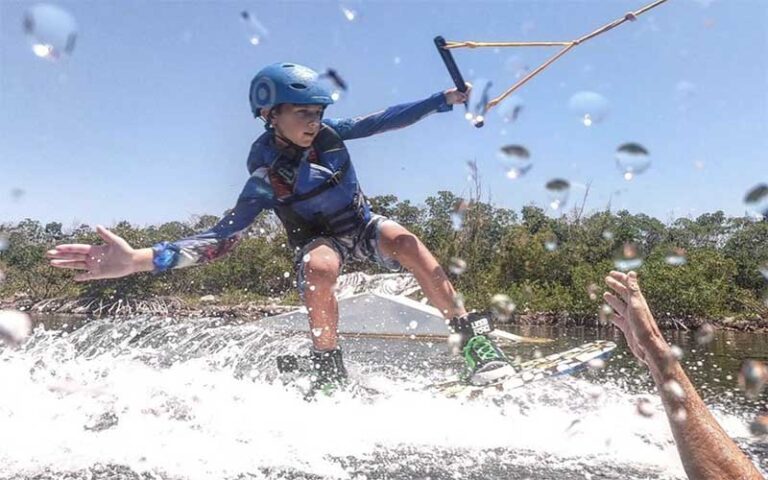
x=453, y=70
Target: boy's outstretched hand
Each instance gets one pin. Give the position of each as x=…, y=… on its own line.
x=112, y=260
x=453, y=96
x=633, y=316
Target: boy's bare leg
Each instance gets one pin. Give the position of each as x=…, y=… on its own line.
x=396, y=242
x=320, y=274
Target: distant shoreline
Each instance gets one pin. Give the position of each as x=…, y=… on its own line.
x=210, y=306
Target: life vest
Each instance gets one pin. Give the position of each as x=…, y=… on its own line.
x=316, y=189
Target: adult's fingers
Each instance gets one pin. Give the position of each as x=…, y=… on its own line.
x=632, y=282
x=621, y=322
x=620, y=276
x=616, y=286
x=615, y=302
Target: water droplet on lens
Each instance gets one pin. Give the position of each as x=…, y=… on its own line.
x=413, y=324
x=673, y=388
x=595, y=391
x=705, y=334
x=763, y=269
x=306, y=258
x=675, y=257
x=605, y=315
x=286, y=274
x=15, y=327
x=480, y=96
x=558, y=190
x=458, y=300
x=515, y=160
x=590, y=107
x=632, y=159
x=680, y=415
x=457, y=266
x=472, y=167
x=454, y=342
x=52, y=30
x=502, y=306
x=756, y=201
x=593, y=290
x=676, y=352
x=349, y=14
x=759, y=426
x=516, y=151
x=644, y=407
x=457, y=216
x=685, y=89
x=608, y=235
x=753, y=377
x=255, y=30
x=334, y=83
x=550, y=244
x=510, y=109
x=627, y=258
x=596, y=363
x=16, y=194
x=516, y=65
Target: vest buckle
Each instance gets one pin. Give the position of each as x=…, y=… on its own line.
x=335, y=178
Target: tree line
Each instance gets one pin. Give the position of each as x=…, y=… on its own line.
x=711, y=267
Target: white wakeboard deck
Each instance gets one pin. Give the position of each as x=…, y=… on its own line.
x=373, y=315
x=377, y=306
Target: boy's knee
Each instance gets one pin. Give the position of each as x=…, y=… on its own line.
x=322, y=267
x=406, y=245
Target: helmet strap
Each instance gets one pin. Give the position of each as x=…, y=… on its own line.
x=290, y=149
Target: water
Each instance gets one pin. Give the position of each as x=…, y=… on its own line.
x=590, y=107
x=151, y=397
x=52, y=31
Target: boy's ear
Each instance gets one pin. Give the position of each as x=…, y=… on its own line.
x=265, y=113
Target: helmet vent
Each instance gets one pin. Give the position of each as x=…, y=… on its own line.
x=299, y=86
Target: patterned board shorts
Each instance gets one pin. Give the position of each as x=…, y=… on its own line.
x=360, y=244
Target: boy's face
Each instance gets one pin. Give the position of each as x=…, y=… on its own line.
x=298, y=123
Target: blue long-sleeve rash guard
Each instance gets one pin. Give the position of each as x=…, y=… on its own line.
x=257, y=194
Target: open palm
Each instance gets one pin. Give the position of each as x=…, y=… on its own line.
x=633, y=316
x=113, y=259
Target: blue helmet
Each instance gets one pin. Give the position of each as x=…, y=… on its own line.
x=287, y=83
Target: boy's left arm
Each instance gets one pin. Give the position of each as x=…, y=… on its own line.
x=395, y=117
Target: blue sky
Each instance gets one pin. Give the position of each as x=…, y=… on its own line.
x=148, y=119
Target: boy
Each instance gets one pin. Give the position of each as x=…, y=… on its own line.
x=300, y=168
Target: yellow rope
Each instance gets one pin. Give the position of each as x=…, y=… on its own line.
x=630, y=16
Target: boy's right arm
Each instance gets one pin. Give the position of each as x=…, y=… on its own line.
x=392, y=118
